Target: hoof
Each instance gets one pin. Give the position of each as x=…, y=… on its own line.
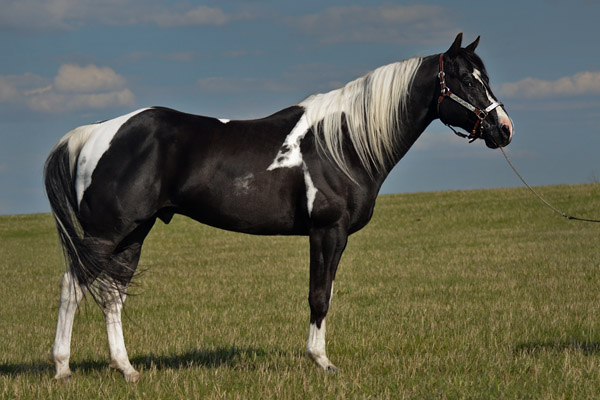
x=322, y=361
x=132, y=376
x=129, y=373
x=331, y=369
x=63, y=376
x=63, y=372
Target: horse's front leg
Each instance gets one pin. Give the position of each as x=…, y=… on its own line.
x=326, y=247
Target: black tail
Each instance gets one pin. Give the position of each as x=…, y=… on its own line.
x=86, y=262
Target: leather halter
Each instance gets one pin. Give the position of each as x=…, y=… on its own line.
x=480, y=113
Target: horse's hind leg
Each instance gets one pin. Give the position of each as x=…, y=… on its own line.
x=127, y=255
x=113, y=300
x=70, y=296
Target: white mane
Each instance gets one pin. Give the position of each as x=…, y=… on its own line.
x=372, y=108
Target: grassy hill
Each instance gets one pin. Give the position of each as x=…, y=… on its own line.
x=466, y=294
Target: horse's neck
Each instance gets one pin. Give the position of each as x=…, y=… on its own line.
x=420, y=111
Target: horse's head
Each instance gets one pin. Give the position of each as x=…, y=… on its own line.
x=466, y=99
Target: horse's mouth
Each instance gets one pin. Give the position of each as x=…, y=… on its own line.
x=494, y=141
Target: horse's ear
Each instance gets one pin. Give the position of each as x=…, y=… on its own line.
x=473, y=45
x=453, y=50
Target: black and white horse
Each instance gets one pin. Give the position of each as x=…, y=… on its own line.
x=311, y=169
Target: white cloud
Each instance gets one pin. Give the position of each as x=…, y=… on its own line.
x=74, y=78
x=59, y=102
x=73, y=88
x=200, y=15
x=389, y=23
x=72, y=14
x=37, y=15
x=582, y=83
x=38, y=90
x=14, y=87
x=7, y=90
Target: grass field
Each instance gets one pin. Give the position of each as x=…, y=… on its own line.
x=470, y=294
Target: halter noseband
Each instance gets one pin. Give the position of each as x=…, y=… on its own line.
x=480, y=113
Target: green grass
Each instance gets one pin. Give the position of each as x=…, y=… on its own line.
x=470, y=294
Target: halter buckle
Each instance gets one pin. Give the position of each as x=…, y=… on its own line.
x=443, y=87
x=481, y=114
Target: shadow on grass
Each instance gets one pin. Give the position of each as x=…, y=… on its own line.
x=221, y=356
x=213, y=358
x=586, y=347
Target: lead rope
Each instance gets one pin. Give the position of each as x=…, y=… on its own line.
x=556, y=210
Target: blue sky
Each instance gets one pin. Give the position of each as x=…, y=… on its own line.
x=66, y=63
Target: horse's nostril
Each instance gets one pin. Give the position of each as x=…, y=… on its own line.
x=507, y=133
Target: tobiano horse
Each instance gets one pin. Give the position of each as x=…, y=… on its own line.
x=312, y=169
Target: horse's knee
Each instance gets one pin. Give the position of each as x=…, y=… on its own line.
x=319, y=304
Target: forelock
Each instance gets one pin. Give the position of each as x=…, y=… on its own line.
x=473, y=60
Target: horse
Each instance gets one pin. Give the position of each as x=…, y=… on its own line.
x=313, y=169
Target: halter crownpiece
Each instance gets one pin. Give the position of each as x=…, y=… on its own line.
x=480, y=113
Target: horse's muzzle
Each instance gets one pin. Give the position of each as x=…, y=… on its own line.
x=499, y=137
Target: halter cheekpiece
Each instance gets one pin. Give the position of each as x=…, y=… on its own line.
x=480, y=113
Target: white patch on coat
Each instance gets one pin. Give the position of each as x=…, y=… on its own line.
x=223, y=120
x=75, y=140
x=289, y=154
x=242, y=184
x=477, y=75
x=98, y=141
x=315, y=346
x=503, y=117
x=311, y=190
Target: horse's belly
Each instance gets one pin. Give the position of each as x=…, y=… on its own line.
x=243, y=206
x=248, y=220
